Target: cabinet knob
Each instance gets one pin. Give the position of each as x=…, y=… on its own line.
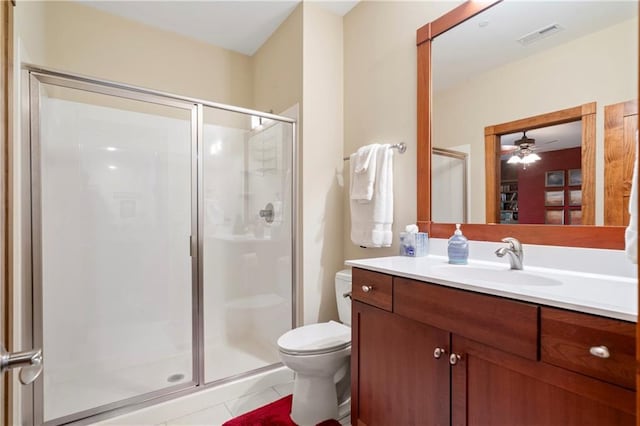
x=438, y=352
x=454, y=358
x=600, y=351
x=367, y=288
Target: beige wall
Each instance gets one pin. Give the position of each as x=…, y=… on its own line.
x=309, y=60
x=277, y=67
x=380, y=96
x=597, y=67
x=29, y=29
x=322, y=147
x=84, y=40
x=302, y=63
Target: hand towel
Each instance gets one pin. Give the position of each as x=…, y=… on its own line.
x=631, y=233
x=371, y=221
x=363, y=172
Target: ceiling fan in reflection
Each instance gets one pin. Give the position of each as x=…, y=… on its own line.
x=523, y=153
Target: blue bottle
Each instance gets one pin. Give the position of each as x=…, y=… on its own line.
x=458, y=249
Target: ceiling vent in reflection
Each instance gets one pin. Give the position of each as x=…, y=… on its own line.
x=539, y=34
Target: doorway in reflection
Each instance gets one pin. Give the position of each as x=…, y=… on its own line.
x=549, y=189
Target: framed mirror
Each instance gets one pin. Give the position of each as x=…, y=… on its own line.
x=474, y=91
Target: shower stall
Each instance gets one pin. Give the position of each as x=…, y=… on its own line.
x=161, y=243
x=449, y=195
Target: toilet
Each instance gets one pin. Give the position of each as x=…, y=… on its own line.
x=320, y=356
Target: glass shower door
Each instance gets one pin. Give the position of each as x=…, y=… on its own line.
x=247, y=241
x=112, y=226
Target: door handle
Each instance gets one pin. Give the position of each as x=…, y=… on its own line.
x=29, y=363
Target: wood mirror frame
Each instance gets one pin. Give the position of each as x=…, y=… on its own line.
x=607, y=237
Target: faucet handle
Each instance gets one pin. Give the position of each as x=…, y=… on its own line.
x=514, y=244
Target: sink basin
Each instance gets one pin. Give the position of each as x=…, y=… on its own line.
x=494, y=275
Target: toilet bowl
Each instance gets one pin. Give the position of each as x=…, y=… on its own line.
x=319, y=354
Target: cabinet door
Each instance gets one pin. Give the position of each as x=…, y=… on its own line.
x=491, y=387
x=395, y=378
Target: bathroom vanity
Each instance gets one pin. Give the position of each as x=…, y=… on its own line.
x=431, y=346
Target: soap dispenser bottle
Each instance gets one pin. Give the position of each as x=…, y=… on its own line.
x=458, y=249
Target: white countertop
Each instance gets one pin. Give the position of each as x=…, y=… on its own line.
x=606, y=295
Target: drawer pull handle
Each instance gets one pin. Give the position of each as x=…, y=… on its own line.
x=438, y=352
x=367, y=288
x=599, y=351
x=454, y=358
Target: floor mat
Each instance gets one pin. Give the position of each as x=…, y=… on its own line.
x=273, y=414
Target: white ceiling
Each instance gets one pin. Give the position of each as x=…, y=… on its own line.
x=551, y=138
x=495, y=33
x=239, y=25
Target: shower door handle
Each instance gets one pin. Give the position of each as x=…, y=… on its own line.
x=29, y=363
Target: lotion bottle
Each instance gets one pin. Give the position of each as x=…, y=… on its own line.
x=458, y=249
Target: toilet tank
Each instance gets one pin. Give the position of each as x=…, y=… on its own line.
x=343, y=285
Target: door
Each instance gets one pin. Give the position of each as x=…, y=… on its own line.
x=620, y=127
x=492, y=387
x=6, y=52
x=29, y=362
x=398, y=380
x=113, y=215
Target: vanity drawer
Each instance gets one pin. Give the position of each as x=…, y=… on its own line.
x=373, y=288
x=567, y=339
x=504, y=324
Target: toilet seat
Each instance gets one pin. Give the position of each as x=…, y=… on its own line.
x=315, y=339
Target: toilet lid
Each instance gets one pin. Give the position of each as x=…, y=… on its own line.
x=316, y=338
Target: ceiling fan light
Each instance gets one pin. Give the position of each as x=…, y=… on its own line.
x=530, y=158
x=524, y=141
x=534, y=156
x=514, y=160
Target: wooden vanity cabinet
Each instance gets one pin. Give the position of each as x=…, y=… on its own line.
x=440, y=356
x=494, y=387
x=391, y=357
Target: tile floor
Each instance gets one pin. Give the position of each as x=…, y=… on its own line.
x=220, y=413
x=215, y=406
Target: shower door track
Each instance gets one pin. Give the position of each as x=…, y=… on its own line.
x=33, y=395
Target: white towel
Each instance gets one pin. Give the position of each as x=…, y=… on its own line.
x=631, y=233
x=371, y=221
x=363, y=172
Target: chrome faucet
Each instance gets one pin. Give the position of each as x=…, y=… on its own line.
x=514, y=250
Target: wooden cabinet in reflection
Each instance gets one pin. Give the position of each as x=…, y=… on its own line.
x=620, y=127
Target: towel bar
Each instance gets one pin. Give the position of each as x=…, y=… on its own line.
x=401, y=147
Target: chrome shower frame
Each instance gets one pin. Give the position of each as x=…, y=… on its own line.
x=33, y=76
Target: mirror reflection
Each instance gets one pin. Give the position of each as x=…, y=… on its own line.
x=537, y=169
x=523, y=59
